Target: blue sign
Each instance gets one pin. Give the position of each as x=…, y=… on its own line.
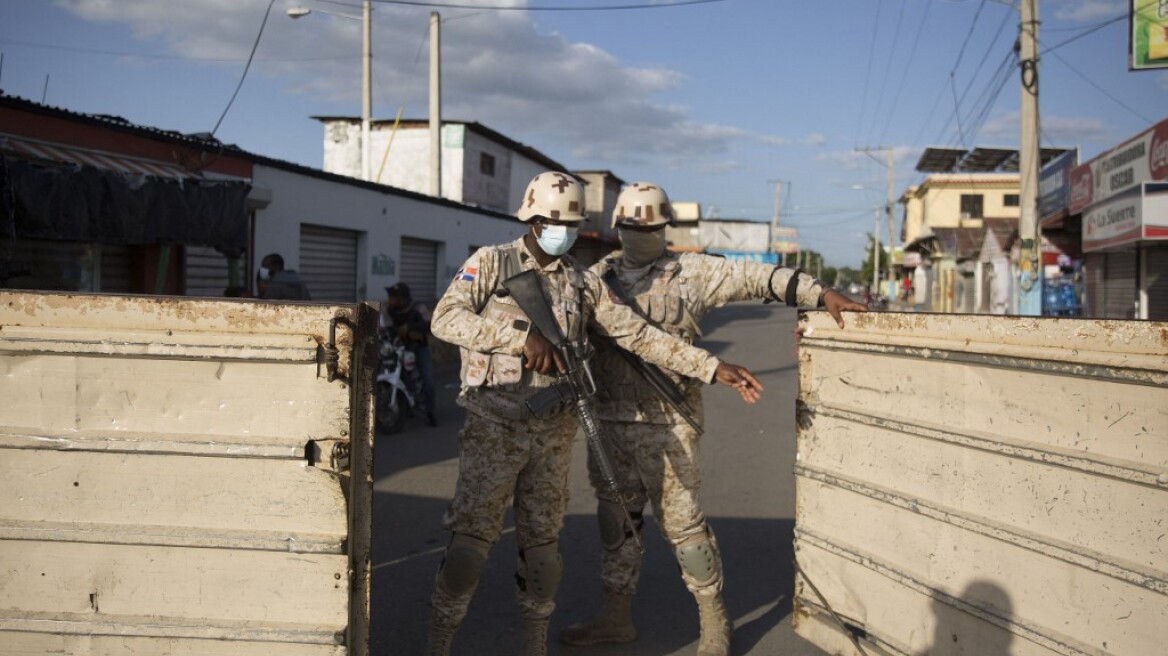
x=1054, y=184
x=743, y=256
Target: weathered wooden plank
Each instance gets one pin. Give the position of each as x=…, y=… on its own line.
x=62, y=394
x=212, y=586
x=1087, y=415
x=890, y=616
x=1067, y=506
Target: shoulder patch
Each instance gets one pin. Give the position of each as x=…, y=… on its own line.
x=466, y=274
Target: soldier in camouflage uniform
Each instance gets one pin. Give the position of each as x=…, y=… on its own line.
x=653, y=448
x=507, y=453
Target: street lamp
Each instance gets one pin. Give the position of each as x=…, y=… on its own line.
x=366, y=72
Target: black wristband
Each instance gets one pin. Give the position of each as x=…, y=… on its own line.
x=792, y=288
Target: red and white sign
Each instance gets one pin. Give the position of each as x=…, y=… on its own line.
x=1141, y=159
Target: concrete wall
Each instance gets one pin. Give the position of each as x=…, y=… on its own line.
x=382, y=219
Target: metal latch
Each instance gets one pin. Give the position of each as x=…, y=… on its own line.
x=332, y=354
x=331, y=454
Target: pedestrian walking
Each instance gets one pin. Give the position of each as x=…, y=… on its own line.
x=655, y=443
x=507, y=454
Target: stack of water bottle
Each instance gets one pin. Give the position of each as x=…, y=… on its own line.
x=1060, y=297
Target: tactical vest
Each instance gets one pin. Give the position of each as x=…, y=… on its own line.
x=503, y=371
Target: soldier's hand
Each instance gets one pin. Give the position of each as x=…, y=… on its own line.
x=836, y=304
x=539, y=354
x=740, y=380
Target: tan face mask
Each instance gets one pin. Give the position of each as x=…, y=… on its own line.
x=641, y=248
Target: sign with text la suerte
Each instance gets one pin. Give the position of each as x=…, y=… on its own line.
x=1148, y=34
x=1141, y=159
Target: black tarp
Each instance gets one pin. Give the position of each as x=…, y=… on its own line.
x=66, y=202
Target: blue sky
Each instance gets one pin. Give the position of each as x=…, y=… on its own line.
x=712, y=100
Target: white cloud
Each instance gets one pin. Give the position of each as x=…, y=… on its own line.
x=498, y=69
x=1084, y=11
x=1060, y=130
x=814, y=139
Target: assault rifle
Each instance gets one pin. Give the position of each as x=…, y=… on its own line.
x=575, y=386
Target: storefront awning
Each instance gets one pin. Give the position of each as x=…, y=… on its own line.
x=55, y=152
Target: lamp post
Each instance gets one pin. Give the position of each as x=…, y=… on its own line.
x=366, y=72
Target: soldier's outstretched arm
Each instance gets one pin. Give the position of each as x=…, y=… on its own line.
x=836, y=304
x=740, y=380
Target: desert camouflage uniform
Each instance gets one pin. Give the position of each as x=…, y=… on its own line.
x=654, y=450
x=506, y=452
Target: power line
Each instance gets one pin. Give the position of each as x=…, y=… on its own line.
x=140, y=55
x=455, y=5
x=246, y=67
x=888, y=67
x=1101, y=89
x=868, y=74
x=904, y=73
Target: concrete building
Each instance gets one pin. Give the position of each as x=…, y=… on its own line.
x=479, y=167
x=95, y=203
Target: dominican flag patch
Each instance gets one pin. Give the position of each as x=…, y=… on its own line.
x=467, y=274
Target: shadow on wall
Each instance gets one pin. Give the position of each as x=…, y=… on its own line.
x=979, y=625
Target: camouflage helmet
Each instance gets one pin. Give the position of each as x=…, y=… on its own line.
x=643, y=204
x=553, y=195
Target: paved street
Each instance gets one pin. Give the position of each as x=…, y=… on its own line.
x=748, y=493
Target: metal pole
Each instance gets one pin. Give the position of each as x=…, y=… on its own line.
x=876, y=254
x=891, y=238
x=1029, y=270
x=366, y=85
x=435, y=107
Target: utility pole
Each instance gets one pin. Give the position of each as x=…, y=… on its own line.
x=876, y=254
x=366, y=86
x=775, y=223
x=1029, y=271
x=887, y=208
x=435, y=107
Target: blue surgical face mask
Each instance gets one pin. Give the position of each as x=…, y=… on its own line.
x=265, y=273
x=555, y=240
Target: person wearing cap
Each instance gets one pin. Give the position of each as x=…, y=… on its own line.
x=654, y=448
x=508, y=454
x=410, y=321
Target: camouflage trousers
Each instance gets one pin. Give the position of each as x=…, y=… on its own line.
x=501, y=461
x=657, y=464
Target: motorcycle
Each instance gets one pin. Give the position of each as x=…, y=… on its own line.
x=398, y=384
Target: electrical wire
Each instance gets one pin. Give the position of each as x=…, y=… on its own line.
x=1101, y=89
x=154, y=56
x=868, y=74
x=888, y=67
x=904, y=74
x=246, y=67
x=455, y=5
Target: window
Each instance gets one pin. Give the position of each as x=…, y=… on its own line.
x=487, y=164
x=971, y=206
x=1011, y=200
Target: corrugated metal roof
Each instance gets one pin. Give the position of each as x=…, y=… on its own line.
x=56, y=152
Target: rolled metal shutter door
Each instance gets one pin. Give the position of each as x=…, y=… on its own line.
x=205, y=271
x=328, y=263
x=1157, y=283
x=419, y=269
x=1120, y=285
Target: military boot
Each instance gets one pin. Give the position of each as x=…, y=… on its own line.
x=715, y=625
x=438, y=644
x=535, y=637
x=613, y=623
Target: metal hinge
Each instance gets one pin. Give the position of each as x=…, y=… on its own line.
x=331, y=454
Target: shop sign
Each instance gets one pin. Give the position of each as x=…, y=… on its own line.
x=1054, y=184
x=1139, y=160
x=1156, y=211
x=1148, y=34
x=1113, y=223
